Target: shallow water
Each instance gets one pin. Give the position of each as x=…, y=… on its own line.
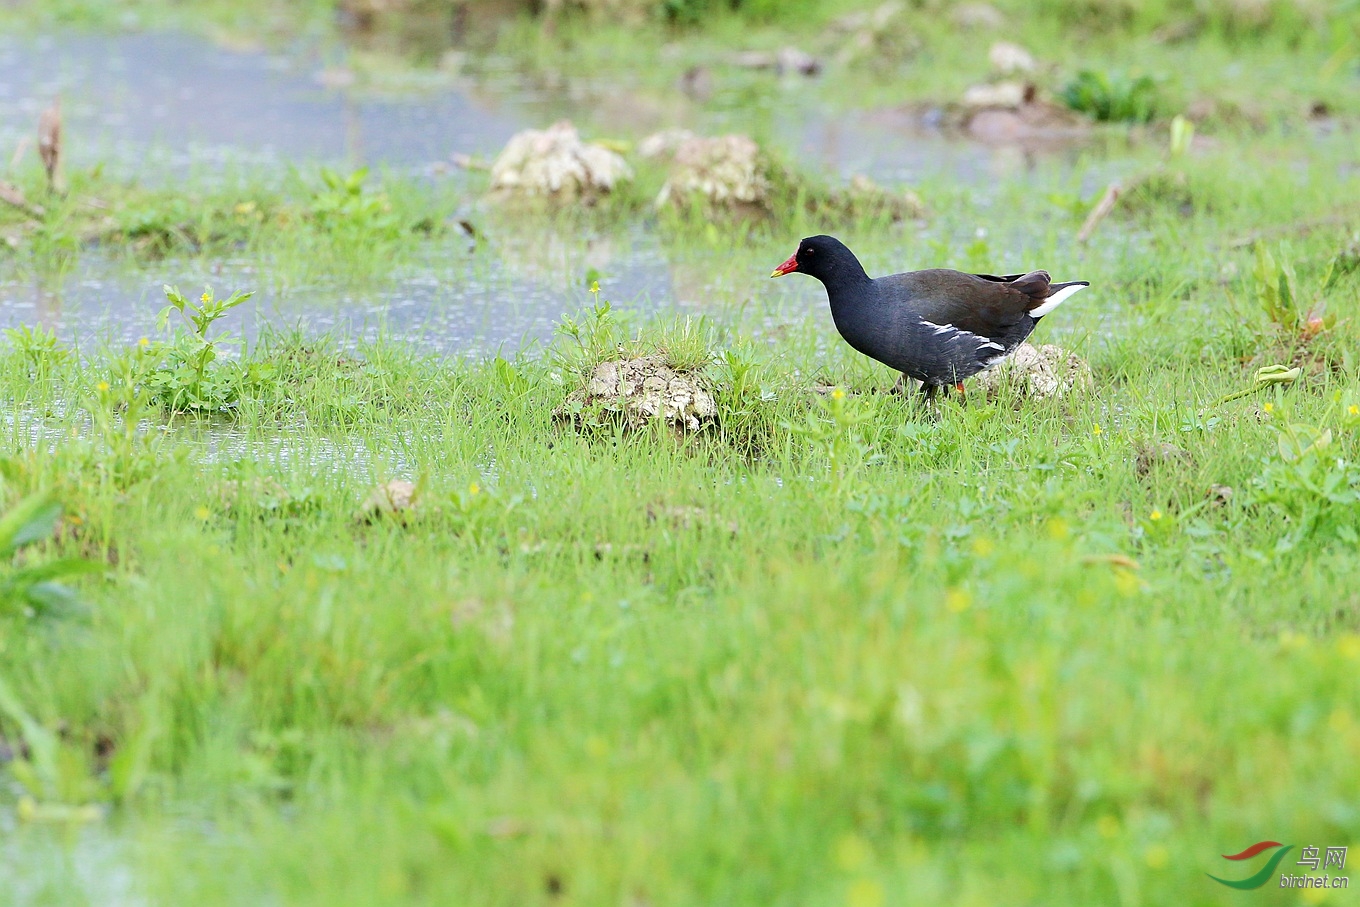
x=158, y=106
x=148, y=102
x=83, y=864
x=468, y=303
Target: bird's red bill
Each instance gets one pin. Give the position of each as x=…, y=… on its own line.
x=787, y=267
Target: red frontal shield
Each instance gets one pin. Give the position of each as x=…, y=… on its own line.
x=787, y=267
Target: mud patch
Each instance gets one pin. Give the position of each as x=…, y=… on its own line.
x=1037, y=373
x=555, y=164
x=639, y=391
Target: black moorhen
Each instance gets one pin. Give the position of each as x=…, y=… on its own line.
x=937, y=326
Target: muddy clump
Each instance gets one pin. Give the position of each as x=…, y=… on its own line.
x=1012, y=112
x=865, y=198
x=727, y=172
x=1008, y=59
x=784, y=61
x=554, y=164
x=638, y=391
x=663, y=145
x=1037, y=373
x=1154, y=456
x=394, y=499
x=978, y=17
x=732, y=174
x=686, y=517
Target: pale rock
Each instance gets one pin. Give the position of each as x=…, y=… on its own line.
x=663, y=144
x=978, y=16
x=555, y=163
x=389, y=498
x=726, y=171
x=1037, y=373
x=1005, y=95
x=643, y=389
x=1008, y=58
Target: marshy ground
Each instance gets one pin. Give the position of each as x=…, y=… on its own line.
x=351, y=592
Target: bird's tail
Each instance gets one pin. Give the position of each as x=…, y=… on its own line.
x=1057, y=295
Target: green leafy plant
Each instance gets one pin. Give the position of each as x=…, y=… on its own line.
x=1308, y=482
x=342, y=204
x=833, y=427
x=1275, y=286
x=124, y=450
x=684, y=343
x=36, y=589
x=39, y=345
x=1112, y=96
x=188, y=377
x=593, y=336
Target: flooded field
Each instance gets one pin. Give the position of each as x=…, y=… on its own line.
x=170, y=110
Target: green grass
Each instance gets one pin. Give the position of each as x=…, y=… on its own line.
x=834, y=650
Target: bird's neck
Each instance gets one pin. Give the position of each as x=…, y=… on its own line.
x=846, y=281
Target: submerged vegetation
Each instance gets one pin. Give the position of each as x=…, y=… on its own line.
x=1107, y=96
x=289, y=615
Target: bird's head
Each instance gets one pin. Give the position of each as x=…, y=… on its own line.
x=818, y=256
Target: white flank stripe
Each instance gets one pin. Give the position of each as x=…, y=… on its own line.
x=954, y=333
x=1054, y=301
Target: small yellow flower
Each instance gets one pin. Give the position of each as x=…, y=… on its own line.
x=838, y=394
x=958, y=600
x=206, y=297
x=1269, y=407
x=474, y=488
x=1349, y=645
x=142, y=341
x=202, y=512
x=594, y=286
x=1353, y=410
x=1096, y=429
x=1155, y=515
x=102, y=386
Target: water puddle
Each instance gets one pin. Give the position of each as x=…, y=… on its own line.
x=159, y=106
x=501, y=297
x=148, y=102
x=80, y=864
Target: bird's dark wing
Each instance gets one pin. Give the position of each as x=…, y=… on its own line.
x=984, y=305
